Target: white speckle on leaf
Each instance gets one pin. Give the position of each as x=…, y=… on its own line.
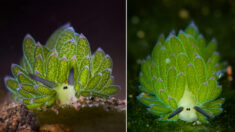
x=168, y=61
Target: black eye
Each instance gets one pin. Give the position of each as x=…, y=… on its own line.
x=65, y=87
x=188, y=109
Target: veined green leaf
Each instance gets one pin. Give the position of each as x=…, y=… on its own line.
x=171, y=81
x=86, y=93
x=160, y=108
x=192, y=79
x=44, y=90
x=97, y=59
x=51, y=42
x=192, y=30
x=214, y=58
x=210, y=49
x=77, y=86
x=148, y=99
x=11, y=84
x=200, y=68
x=203, y=92
x=38, y=51
x=34, y=106
x=155, y=52
x=93, y=82
x=214, y=104
x=176, y=45
x=216, y=111
x=146, y=84
x=110, y=90
x=31, y=89
x=155, y=112
x=184, y=40
x=180, y=86
x=212, y=88
x=68, y=49
x=104, y=79
x=110, y=81
x=182, y=61
x=146, y=69
x=163, y=96
x=83, y=47
x=50, y=102
x=106, y=64
x=16, y=70
x=64, y=37
x=158, y=86
x=84, y=62
x=42, y=99
x=62, y=70
x=24, y=93
x=173, y=103
x=45, y=51
x=84, y=75
x=53, y=68
x=217, y=92
x=163, y=63
x=201, y=44
x=22, y=78
x=39, y=66
x=201, y=117
x=29, y=46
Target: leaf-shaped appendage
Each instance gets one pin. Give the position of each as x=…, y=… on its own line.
x=180, y=79
x=60, y=72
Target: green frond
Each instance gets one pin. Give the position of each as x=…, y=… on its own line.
x=29, y=45
x=51, y=42
x=110, y=90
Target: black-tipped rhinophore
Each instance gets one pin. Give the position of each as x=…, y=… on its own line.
x=71, y=77
x=43, y=81
x=177, y=111
x=198, y=109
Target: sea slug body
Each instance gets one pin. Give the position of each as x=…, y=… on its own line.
x=60, y=71
x=180, y=78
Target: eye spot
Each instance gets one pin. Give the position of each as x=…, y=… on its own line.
x=188, y=109
x=65, y=87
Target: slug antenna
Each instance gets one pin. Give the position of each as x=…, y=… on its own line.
x=198, y=109
x=47, y=83
x=177, y=111
x=71, y=77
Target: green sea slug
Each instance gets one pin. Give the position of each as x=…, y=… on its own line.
x=180, y=79
x=60, y=72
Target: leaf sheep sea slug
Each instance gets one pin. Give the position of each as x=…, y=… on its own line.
x=60, y=72
x=180, y=79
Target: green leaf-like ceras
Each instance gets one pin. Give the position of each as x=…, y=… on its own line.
x=61, y=71
x=180, y=79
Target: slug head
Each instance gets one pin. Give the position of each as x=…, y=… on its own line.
x=187, y=102
x=65, y=92
x=187, y=110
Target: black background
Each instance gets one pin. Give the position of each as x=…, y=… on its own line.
x=101, y=21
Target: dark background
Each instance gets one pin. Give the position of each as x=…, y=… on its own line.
x=146, y=20
x=101, y=21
